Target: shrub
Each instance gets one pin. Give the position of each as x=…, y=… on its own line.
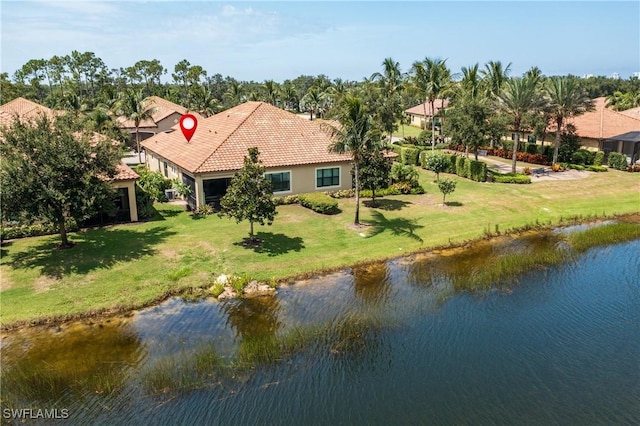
x=436, y=162
x=511, y=178
x=409, y=156
x=617, y=161
x=424, y=138
x=598, y=158
x=203, y=211
x=153, y=183
x=319, y=203
x=547, y=151
x=343, y=193
x=446, y=186
x=411, y=140
x=596, y=168
x=582, y=156
x=402, y=187
x=527, y=171
x=144, y=203
x=442, y=145
x=575, y=166
x=22, y=230
x=288, y=199
x=461, y=169
x=397, y=148
x=532, y=148
x=477, y=170
x=404, y=173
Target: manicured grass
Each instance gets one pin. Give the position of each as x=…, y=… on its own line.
x=408, y=131
x=128, y=266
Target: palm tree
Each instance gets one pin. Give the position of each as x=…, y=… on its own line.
x=135, y=107
x=518, y=97
x=312, y=101
x=356, y=135
x=235, y=95
x=390, y=81
x=271, y=92
x=470, y=83
x=566, y=99
x=204, y=101
x=431, y=77
x=495, y=76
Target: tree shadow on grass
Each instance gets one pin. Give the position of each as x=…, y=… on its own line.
x=397, y=226
x=94, y=249
x=387, y=204
x=274, y=244
x=453, y=204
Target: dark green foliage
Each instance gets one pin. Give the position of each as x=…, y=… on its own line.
x=461, y=169
x=510, y=178
x=598, y=158
x=404, y=173
x=424, y=138
x=397, y=148
x=547, y=151
x=617, y=161
x=374, y=172
x=409, y=156
x=249, y=195
x=51, y=172
x=532, y=148
x=477, y=170
x=583, y=157
x=144, y=203
x=286, y=200
x=319, y=203
x=153, y=183
x=446, y=186
x=569, y=143
x=10, y=232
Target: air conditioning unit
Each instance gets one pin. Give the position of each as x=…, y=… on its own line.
x=170, y=194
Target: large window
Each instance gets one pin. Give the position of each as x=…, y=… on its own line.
x=280, y=182
x=328, y=177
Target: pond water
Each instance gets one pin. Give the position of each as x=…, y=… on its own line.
x=399, y=342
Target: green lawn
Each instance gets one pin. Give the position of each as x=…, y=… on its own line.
x=408, y=131
x=127, y=266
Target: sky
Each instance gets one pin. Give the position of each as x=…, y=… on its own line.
x=282, y=40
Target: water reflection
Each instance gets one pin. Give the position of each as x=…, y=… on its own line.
x=51, y=364
x=371, y=283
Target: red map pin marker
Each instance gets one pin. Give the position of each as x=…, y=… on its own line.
x=188, y=124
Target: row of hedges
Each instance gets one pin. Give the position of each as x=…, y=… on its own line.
x=617, y=161
x=508, y=154
x=461, y=166
x=9, y=232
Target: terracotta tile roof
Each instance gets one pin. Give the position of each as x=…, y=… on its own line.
x=162, y=108
x=26, y=109
x=221, y=141
x=419, y=109
x=23, y=108
x=124, y=172
x=633, y=112
x=603, y=122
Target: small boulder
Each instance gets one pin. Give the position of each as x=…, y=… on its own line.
x=254, y=288
x=228, y=293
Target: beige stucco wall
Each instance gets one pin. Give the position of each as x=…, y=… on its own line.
x=131, y=187
x=155, y=163
x=168, y=122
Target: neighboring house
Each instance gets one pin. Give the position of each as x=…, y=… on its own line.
x=417, y=113
x=165, y=114
x=123, y=181
x=602, y=123
x=294, y=151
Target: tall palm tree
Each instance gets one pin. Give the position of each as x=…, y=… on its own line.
x=390, y=81
x=271, y=92
x=495, y=75
x=566, y=99
x=431, y=76
x=134, y=106
x=356, y=135
x=470, y=83
x=518, y=97
x=312, y=101
x=235, y=94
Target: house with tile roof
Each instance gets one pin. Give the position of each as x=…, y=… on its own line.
x=123, y=181
x=165, y=114
x=294, y=151
x=421, y=113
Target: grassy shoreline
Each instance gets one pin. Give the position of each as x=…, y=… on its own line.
x=119, y=269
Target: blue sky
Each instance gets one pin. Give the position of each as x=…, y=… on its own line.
x=281, y=40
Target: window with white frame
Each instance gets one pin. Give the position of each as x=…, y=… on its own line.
x=328, y=177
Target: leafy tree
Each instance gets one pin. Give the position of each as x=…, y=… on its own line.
x=356, y=135
x=374, y=172
x=446, y=186
x=49, y=171
x=431, y=77
x=437, y=162
x=249, y=196
x=566, y=99
x=569, y=143
x=467, y=123
x=518, y=97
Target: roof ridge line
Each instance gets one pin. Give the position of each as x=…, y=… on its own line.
x=260, y=103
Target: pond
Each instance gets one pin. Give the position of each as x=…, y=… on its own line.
x=399, y=342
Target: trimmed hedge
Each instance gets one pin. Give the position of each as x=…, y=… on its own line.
x=34, y=230
x=596, y=168
x=598, y=159
x=409, y=156
x=617, y=161
x=510, y=178
x=477, y=170
x=508, y=154
x=319, y=202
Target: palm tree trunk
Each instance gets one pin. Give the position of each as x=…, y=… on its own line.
x=515, y=150
x=556, y=144
x=138, y=145
x=357, y=218
x=424, y=107
x=433, y=126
